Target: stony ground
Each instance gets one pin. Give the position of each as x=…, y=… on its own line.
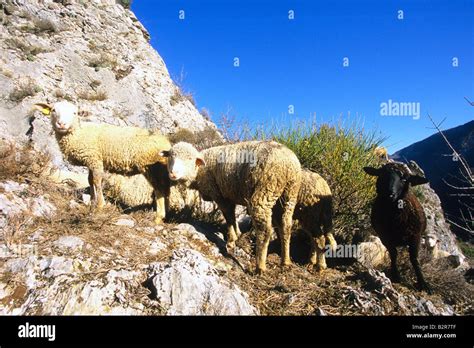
x=60, y=256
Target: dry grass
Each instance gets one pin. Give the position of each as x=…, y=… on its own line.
x=60, y=94
x=297, y=290
x=103, y=60
x=202, y=139
x=179, y=96
x=27, y=51
x=447, y=283
x=93, y=95
x=21, y=164
x=25, y=88
x=6, y=72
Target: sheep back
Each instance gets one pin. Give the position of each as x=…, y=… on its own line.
x=314, y=205
x=122, y=150
x=228, y=173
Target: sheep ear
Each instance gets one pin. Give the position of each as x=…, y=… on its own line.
x=44, y=108
x=164, y=153
x=371, y=171
x=200, y=162
x=417, y=180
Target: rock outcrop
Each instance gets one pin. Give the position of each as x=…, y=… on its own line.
x=95, y=53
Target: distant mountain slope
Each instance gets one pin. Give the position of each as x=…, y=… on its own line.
x=435, y=157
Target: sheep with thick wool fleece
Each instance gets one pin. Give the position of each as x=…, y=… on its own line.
x=103, y=147
x=255, y=174
x=135, y=191
x=314, y=214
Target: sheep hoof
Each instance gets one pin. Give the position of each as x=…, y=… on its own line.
x=319, y=269
x=230, y=246
x=395, y=278
x=423, y=286
x=260, y=271
x=285, y=265
x=158, y=221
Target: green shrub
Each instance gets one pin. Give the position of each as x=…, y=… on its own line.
x=467, y=249
x=125, y=3
x=338, y=153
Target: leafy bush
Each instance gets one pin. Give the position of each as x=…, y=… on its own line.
x=125, y=3
x=338, y=153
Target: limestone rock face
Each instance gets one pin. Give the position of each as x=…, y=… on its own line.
x=190, y=285
x=94, y=53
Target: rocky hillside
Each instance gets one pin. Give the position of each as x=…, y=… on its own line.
x=58, y=255
x=442, y=169
x=95, y=53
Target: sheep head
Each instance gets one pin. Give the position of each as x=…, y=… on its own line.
x=63, y=115
x=394, y=179
x=184, y=161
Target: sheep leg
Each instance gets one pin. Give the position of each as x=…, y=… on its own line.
x=91, y=186
x=318, y=258
x=262, y=223
x=228, y=210
x=422, y=284
x=394, y=269
x=287, y=223
x=97, y=174
x=160, y=202
x=277, y=221
x=288, y=199
x=332, y=241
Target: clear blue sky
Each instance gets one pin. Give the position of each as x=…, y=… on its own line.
x=300, y=62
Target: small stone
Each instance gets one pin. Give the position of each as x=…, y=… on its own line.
x=73, y=204
x=125, y=222
x=56, y=265
x=69, y=243
x=156, y=246
x=86, y=199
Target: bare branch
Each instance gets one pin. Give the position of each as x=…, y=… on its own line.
x=455, y=153
x=470, y=102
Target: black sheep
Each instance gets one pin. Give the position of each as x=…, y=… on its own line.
x=397, y=215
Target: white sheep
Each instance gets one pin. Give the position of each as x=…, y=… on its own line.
x=432, y=243
x=135, y=191
x=314, y=213
x=255, y=174
x=103, y=147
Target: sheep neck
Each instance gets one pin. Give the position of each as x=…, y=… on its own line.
x=202, y=175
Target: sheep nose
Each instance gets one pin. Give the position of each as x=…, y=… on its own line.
x=172, y=176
